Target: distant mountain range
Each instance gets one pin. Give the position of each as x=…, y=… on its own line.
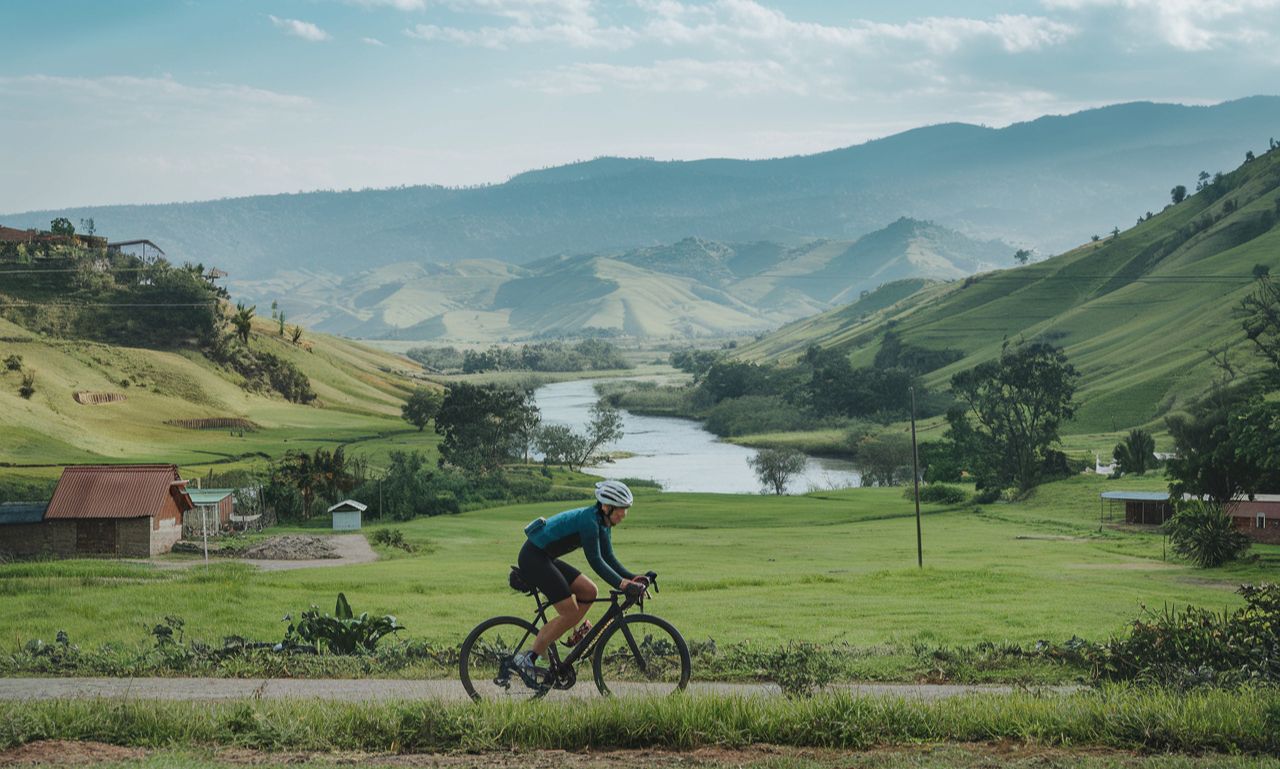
x=1047, y=184
x=691, y=288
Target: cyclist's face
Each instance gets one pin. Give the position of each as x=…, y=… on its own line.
x=615, y=515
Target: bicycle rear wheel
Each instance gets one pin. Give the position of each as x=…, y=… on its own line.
x=641, y=653
x=484, y=662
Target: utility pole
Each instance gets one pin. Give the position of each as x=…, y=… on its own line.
x=915, y=478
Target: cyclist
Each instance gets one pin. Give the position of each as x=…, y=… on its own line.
x=569, y=590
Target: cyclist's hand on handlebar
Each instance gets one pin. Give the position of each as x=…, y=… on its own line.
x=634, y=588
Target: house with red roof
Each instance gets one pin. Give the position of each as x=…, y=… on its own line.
x=132, y=511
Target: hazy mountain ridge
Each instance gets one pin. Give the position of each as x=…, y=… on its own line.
x=691, y=288
x=1047, y=183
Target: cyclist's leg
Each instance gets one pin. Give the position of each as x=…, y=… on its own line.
x=570, y=611
x=548, y=575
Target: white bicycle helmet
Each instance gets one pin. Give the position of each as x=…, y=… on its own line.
x=614, y=493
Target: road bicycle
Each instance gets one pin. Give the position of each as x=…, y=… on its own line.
x=635, y=651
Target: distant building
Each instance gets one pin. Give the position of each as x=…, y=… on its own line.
x=346, y=515
x=1143, y=508
x=213, y=510
x=1258, y=517
x=123, y=510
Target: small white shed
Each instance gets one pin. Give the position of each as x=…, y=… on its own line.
x=346, y=515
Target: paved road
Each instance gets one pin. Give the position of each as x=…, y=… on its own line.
x=360, y=690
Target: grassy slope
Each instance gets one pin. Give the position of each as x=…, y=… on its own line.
x=1136, y=327
x=359, y=389
x=835, y=566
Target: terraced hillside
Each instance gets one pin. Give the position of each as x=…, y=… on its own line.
x=1140, y=314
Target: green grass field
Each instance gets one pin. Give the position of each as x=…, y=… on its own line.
x=359, y=395
x=825, y=567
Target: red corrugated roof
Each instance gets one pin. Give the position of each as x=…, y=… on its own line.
x=116, y=491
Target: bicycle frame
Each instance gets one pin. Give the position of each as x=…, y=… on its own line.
x=587, y=644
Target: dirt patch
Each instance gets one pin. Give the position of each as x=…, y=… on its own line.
x=67, y=753
x=292, y=547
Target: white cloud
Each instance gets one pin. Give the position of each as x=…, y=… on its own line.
x=373, y=41
x=740, y=77
x=399, y=5
x=164, y=92
x=1191, y=25
x=303, y=29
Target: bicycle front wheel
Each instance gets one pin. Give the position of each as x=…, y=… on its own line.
x=644, y=654
x=484, y=661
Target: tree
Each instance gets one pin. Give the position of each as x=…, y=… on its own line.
x=280, y=317
x=1204, y=534
x=1261, y=271
x=88, y=226
x=1013, y=407
x=479, y=425
x=1178, y=194
x=296, y=336
x=62, y=226
x=561, y=445
x=243, y=321
x=1136, y=453
x=884, y=459
x=776, y=467
x=528, y=418
x=421, y=407
x=1261, y=311
x=1022, y=255
x=1202, y=181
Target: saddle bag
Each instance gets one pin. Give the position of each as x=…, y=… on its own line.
x=516, y=580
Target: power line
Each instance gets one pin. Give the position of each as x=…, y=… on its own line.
x=108, y=304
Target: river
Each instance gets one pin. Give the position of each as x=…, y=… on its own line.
x=679, y=453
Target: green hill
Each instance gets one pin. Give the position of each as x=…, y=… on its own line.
x=1140, y=314
x=120, y=360
x=359, y=392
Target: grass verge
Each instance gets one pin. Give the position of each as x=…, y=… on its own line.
x=1218, y=721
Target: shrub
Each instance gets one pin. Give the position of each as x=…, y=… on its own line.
x=1204, y=534
x=757, y=414
x=28, y=387
x=392, y=538
x=801, y=668
x=1199, y=647
x=343, y=633
x=13, y=363
x=939, y=493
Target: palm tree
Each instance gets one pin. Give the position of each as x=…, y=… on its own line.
x=1136, y=453
x=243, y=321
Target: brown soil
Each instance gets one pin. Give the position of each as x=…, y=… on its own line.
x=954, y=756
x=66, y=752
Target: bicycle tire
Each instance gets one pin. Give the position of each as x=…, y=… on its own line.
x=481, y=655
x=642, y=649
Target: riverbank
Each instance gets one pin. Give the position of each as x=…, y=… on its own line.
x=678, y=453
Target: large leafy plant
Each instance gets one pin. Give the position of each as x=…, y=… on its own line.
x=342, y=633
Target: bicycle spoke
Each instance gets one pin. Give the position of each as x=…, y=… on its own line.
x=642, y=653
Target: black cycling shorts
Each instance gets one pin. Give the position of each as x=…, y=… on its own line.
x=550, y=575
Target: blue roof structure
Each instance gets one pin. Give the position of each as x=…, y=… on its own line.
x=1136, y=496
x=22, y=512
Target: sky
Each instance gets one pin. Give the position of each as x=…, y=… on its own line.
x=150, y=101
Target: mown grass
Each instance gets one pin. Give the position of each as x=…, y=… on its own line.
x=828, y=567
x=1244, y=721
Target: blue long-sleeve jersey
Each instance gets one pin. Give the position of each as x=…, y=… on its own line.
x=565, y=532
